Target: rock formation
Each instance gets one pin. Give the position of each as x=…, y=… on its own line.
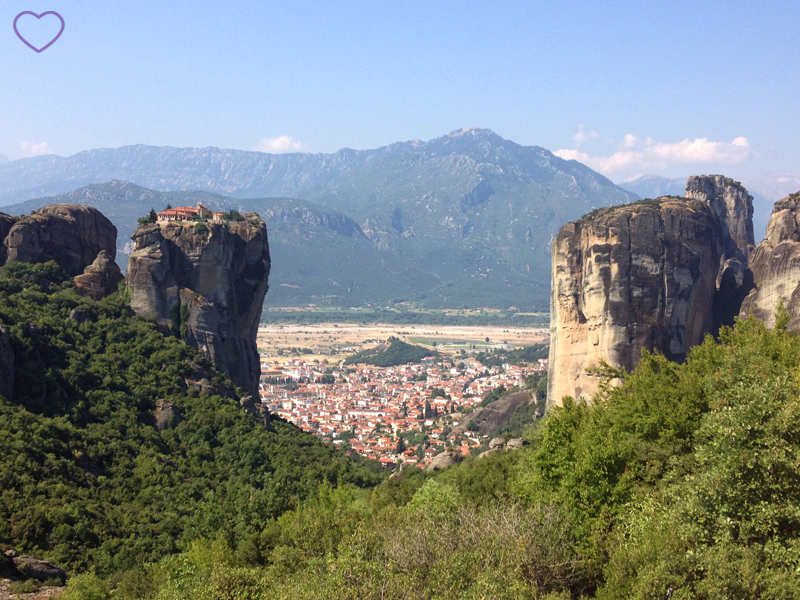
x=500, y=444
x=209, y=282
x=656, y=275
x=6, y=223
x=100, y=278
x=444, y=460
x=627, y=278
x=497, y=414
x=733, y=206
x=7, y=369
x=70, y=234
x=166, y=415
x=28, y=567
x=775, y=265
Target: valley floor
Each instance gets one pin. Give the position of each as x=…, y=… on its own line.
x=331, y=339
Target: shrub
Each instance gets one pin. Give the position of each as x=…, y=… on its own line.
x=24, y=587
x=233, y=215
x=85, y=587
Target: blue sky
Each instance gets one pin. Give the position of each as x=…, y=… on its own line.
x=695, y=86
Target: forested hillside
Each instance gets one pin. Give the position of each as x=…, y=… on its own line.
x=682, y=483
x=87, y=478
x=390, y=354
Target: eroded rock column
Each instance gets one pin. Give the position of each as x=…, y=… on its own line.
x=627, y=278
x=209, y=283
x=775, y=265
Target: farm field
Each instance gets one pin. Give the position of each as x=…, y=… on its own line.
x=338, y=340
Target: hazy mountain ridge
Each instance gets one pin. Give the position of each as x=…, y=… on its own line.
x=241, y=173
x=464, y=220
x=319, y=254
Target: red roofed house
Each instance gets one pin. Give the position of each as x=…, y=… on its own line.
x=189, y=213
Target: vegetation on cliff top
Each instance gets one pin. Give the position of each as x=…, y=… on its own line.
x=682, y=483
x=653, y=202
x=88, y=481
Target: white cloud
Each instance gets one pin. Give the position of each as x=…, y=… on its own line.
x=278, y=145
x=702, y=150
x=584, y=134
x=661, y=155
x=603, y=164
x=31, y=149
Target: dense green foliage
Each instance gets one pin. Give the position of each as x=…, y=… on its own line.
x=397, y=353
x=520, y=356
x=86, y=479
x=232, y=215
x=682, y=483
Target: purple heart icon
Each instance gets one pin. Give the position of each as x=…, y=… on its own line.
x=38, y=17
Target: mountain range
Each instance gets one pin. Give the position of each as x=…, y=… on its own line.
x=464, y=220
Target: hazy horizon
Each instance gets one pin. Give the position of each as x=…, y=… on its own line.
x=674, y=88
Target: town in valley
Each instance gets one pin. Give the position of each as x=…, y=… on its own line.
x=403, y=415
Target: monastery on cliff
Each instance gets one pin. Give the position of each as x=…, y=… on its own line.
x=189, y=213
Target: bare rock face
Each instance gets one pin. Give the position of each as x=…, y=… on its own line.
x=6, y=223
x=775, y=265
x=33, y=568
x=166, y=415
x=499, y=444
x=446, y=459
x=70, y=234
x=516, y=444
x=99, y=279
x=627, y=278
x=733, y=206
x=7, y=369
x=211, y=284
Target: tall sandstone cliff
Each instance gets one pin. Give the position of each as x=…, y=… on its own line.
x=79, y=238
x=210, y=284
x=733, y=206
x=656, y=274
x=775, y=266
x=631, y=277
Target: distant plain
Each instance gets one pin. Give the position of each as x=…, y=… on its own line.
x=333, y=341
